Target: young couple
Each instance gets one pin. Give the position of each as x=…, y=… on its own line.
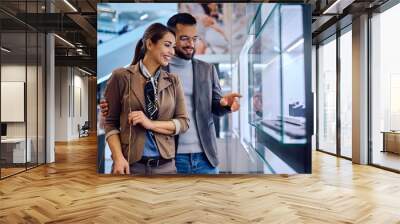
x=158, y=112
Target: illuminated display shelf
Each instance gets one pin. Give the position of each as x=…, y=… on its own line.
x=277, y=77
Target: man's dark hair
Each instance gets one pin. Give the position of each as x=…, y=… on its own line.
x=181, y=18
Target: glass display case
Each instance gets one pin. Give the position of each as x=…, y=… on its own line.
x=277, y=75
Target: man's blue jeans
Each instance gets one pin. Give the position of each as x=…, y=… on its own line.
x=194, y=163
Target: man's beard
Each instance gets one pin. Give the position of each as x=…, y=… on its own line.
x=180, y=54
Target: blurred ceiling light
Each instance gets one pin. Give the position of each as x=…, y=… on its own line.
x=144, y=16
x=65, y=41
x=78, y=44
x=5, y=50
x=79, y=51
x=86, y=72
x=70, y=5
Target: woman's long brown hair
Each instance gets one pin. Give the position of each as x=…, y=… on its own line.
x=154, y=32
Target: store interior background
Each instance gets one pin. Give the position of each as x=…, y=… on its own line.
x=333, y=81
x=55, y=65
x=261, y=55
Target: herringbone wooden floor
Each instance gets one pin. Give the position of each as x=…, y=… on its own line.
x=70, y=191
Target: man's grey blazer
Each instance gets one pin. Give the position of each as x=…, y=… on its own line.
x=206, y=99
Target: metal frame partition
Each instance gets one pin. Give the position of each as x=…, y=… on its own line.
x=333, y=37
x=41, y=43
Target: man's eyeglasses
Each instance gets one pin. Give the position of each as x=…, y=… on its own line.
x=187, y=39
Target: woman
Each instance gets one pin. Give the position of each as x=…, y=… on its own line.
x=146, y=108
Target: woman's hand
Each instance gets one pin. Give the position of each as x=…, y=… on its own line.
x=120, y=166
x=138, y=117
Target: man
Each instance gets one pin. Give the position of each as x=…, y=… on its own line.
x=197, y=148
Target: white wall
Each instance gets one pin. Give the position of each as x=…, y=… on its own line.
x=33, y=126
x=80, y=96
x=71, y=93
x=61, y=103
x=14, y=73
x=17, y=73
